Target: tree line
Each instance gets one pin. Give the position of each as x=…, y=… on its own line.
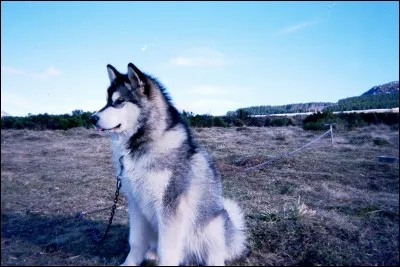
x=289, y=108
x=242, y=117
x=45, y=121
x=379, y=101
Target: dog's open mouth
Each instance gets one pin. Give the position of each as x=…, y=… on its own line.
x=111, y=129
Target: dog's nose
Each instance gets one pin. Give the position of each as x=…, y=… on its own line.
x=94, y=119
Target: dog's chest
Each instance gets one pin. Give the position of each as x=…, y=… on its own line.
x=142, y=183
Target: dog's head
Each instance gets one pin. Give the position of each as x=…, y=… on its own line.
x=126, y=98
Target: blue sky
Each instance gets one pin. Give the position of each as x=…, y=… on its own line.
x=212, y=56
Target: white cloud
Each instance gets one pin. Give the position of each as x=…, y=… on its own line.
x=210, y=90
x=200, y=57
x=198, y=62
x=297, y=27
x=11, y=70
x=147, y=46
x=49, y=72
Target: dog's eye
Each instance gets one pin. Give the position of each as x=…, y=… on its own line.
x=119, y=101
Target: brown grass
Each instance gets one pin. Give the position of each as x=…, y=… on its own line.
x=326, y=205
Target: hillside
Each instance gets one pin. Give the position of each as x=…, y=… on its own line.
x=385, y=96
x=387, y=88
x=378, y=101
x=289, y=108
x=378, y=97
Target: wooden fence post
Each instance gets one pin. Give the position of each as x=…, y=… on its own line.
x=331, y=130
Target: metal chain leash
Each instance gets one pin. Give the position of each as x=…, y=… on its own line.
x=96, y=232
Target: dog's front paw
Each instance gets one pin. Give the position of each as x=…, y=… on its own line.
x=151, y=255
x=126, y=263
x=129, y=261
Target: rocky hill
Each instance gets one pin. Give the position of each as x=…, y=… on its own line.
x=387, y=88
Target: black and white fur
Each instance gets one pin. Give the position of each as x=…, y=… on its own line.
x=176, y=210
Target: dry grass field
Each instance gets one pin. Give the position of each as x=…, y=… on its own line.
x=325, y=205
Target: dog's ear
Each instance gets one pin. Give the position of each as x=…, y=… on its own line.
x=112, y=73
x=136, y=78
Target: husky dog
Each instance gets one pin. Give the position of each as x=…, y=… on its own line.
x=177, y=214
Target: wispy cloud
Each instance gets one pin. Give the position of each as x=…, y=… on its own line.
x=297, y=27
x=200, y=57
x=49, y=72
x=11, y=70
x=198, y=62
x=146, y=46
x=210, y=90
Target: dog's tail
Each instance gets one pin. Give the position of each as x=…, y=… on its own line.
x=235, y=234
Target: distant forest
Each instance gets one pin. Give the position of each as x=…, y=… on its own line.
x=366, y=102
x=290, y=108
x=378, y=101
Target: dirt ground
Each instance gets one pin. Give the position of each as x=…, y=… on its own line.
x=325, y=205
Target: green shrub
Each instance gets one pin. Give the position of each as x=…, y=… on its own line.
x=201, y=121
x=242, y=114
x=324, y=116
x=219, y=122
x=238, y=122
x=255, y=121
x=380, y=142
x=18, y=124
x=267, y=122
x=314, y=126
x=281, y=122
x=317, y=121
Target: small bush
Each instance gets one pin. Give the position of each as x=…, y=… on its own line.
x=280, y=136
x=18, y=124
x=238, y=122
x=281, y=122
x=267, y=122
x=360, y=139
x=324, y=116
x=201, y=121
x=242, y=128
x=254, y=121
x=242, y=114
x=219, y=122
x=380, y=142
x=314, y=126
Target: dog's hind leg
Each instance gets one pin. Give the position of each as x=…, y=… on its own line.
x=170, y=243
x=173, y=229
x=215, y=242
x=139, y=234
